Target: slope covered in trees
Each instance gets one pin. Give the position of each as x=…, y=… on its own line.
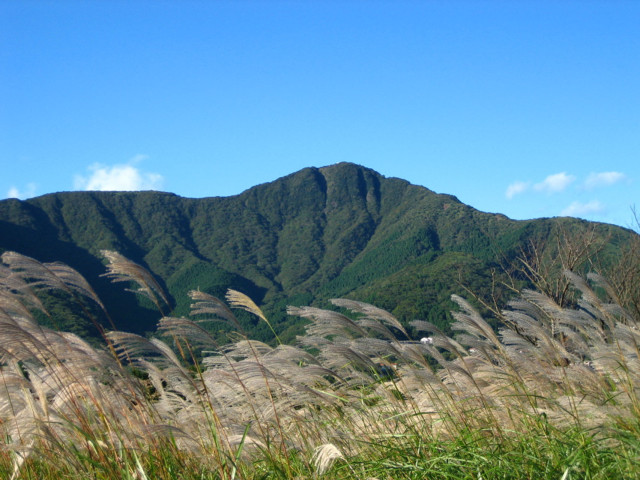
x=320, y=233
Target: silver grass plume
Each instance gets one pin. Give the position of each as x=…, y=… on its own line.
x=138, y=348
x=613, y=305
x=121, y=269
x=49, y=276
x=16, y=297
x=327, y=322
x=617, y=302
x=209, y=305
x=469, y=320
x=187, y=329
x=370, y=311
x=377, y=327
x=324, y=456
x=240, y=300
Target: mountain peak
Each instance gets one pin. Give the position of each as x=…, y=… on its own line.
x=319, y=233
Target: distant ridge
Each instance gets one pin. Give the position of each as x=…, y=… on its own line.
x=319, y=233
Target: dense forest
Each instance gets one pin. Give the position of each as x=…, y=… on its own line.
x=320, y=233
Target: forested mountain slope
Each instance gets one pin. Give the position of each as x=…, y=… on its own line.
x=341, y=230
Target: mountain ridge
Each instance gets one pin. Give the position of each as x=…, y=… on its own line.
x=339, y=230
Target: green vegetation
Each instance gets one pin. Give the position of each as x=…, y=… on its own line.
x=338, y=231
x=552, y=393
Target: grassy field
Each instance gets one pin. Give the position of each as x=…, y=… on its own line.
x=552, y=394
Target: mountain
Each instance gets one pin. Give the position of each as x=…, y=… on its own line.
x=320, y=233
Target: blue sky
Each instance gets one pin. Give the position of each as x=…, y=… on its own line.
x=531, y=109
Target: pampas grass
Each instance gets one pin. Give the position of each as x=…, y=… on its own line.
x=552, y=394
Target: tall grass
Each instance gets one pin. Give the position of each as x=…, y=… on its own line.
x=552, y=394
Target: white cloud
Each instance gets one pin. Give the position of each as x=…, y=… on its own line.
x=119, y=177
x=603, y=179
x=28, y=193
x=555, y=183
x=577, y=209
x=516, y=188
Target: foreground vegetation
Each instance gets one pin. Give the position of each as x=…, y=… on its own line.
x=552, y=394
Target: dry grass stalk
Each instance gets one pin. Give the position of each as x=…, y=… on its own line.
x=121, y=269
x=359, y=385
